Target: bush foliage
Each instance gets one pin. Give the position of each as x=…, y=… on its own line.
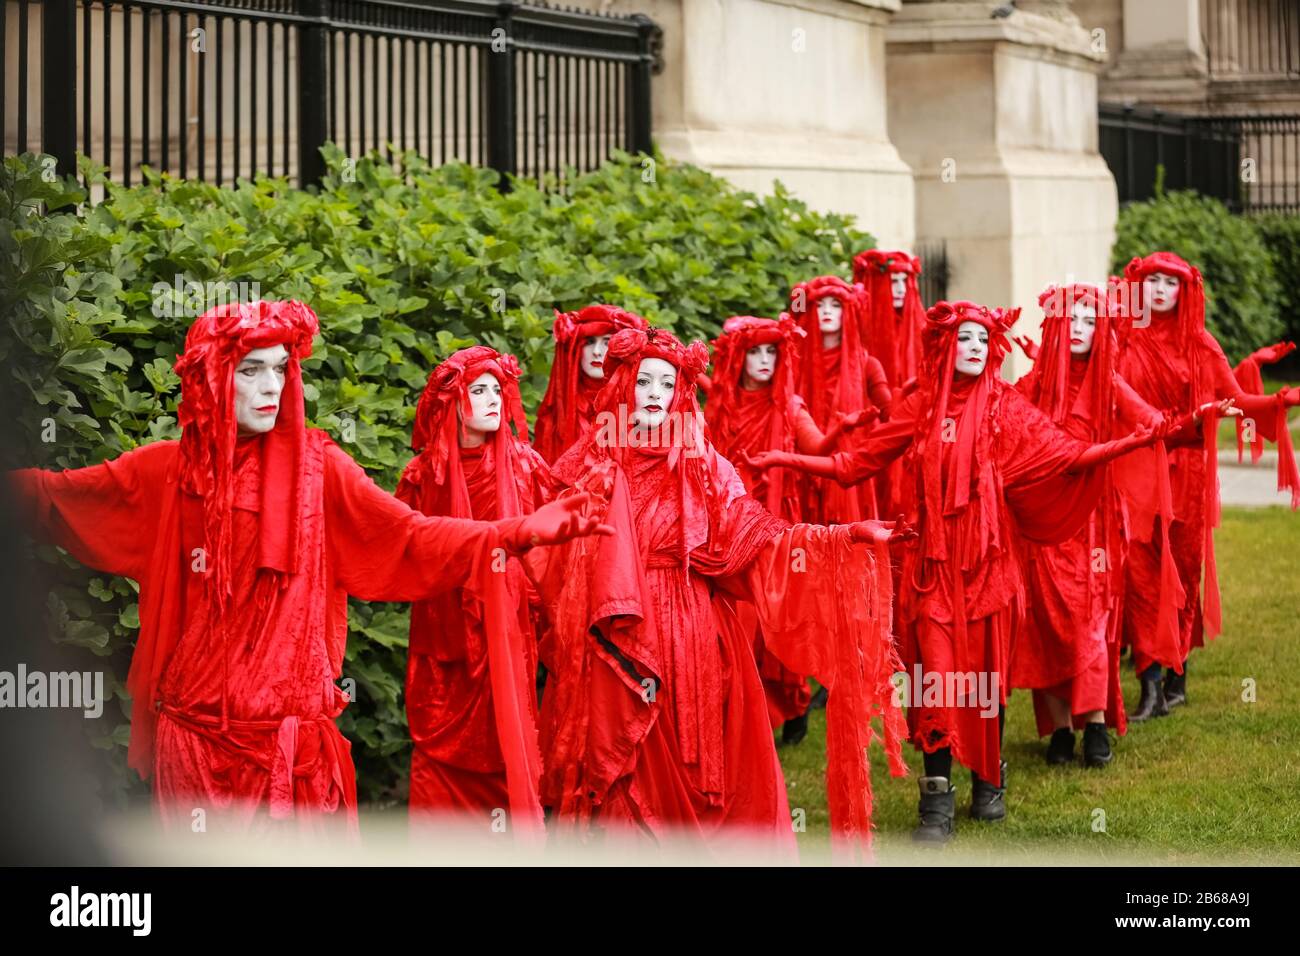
x=403, y=267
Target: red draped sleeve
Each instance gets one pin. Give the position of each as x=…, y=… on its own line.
x=105, y=515
x=381, y=550
x=882, y=445
x=817, y=625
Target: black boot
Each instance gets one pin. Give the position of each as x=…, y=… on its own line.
x=988, y=802
x=937, y=808
x=794, y=730
x=818, y=701
x=1060, y=750
x=1175, y=688
x=1152, y=702
x=1096, y=746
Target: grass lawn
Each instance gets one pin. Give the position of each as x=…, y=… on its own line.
x=1217, y=781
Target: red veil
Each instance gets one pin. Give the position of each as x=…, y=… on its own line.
x=816, y=365
x=892, y=338
x=434, y=483
x=570, y=394
x=761, y=420
x=216, y=343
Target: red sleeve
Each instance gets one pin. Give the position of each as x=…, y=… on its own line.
x=1131, y=409
x=878, y=391
x=105, y=515
x=808, y=437
x=381, y=550
x=881, y=445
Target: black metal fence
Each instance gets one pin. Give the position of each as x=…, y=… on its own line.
x=219, y=89
x=1251, y=163
x=1251, y=39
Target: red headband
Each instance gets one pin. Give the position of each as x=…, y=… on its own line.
x=881, y=260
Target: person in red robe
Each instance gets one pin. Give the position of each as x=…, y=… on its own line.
x=246, y=536
x=837, y=377
x=895, y=318
x=1067, y=648
x=577, y=374
x=1175, y=365
x=994, y=468
x=469, y=463
x=752, y=407
x=657, y=726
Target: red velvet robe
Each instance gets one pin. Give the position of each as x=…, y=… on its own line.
x=456, y=764
x=549, y=437
x=1160, y=372
x=825, y=502
x=1068, y=643
x=657, y=724
x=279, y=753
x=1030, y=456
x=748, y=432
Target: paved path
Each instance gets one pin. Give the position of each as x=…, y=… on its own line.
x=1247, y=485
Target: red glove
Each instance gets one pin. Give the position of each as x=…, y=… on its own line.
x=1273, y=353
x=554, y=523
x=1028, y=346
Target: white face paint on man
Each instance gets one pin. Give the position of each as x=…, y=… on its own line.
x=972, y=348
x=259, y=380
x=760, y=365
x=593, y=356
x=655, y=381
x=1083, y=325
x=898, y=288
x=484, y=406
x=830, y=314
x=1160, y=291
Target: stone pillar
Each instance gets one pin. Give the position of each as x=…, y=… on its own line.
x=789, y=90
x=995, y=110
x=1163, y=61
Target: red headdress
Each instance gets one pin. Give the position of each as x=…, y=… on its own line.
x=1189, y=327
x=726, y=429
x=209, y=447
x=680, y=439
x=570, y=394
x=1049, y=381
x=893, y=338
x=436, y=436
x=817, y=363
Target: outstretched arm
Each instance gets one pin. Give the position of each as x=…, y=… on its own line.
x=382, y=550
x=104, y=515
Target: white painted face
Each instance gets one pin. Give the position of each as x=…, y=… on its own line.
x=830, y=314
x=1160, y=291
x=898, y=288
x=593, y=356
x=972, y=348
x=760, y=363
x=1083, y=326
x=259, y=380
x=484, y=404
x=655, y=381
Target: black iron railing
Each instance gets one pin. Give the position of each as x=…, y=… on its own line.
x=1251, y=163
x=935, y=272
x=222, y=89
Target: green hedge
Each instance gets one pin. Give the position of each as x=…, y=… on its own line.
x=1241, y=290
x=1281, y=234
x=402, y=267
